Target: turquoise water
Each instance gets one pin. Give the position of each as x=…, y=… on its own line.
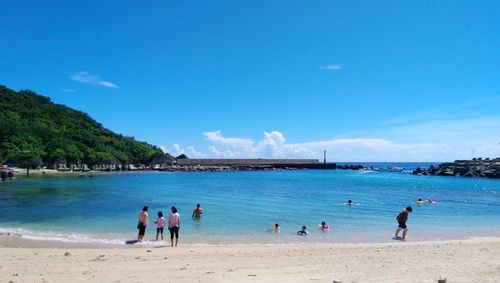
x=240, y=206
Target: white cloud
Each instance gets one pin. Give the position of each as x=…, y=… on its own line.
x=333, y=67
x=427, y=141
x=217, y=138
x=176, y=150
x=216, y=153
x=272, y=146
x=86, y=78
x=431, y=137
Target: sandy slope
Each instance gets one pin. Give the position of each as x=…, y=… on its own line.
x=476, y=260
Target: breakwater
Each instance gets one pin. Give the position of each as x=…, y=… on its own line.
x=218, y=165
x=477, y=167
x=238, y=162
x=184, y=164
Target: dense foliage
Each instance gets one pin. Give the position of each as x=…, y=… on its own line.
x=35, y=131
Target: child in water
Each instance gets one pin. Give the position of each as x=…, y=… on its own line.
x=303, y=231
x=323, y=226
x=402, y=218
x=160, y=223
x=276, y=228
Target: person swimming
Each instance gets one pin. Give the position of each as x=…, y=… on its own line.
x=276, y=228
x=349, y=202
x=420, y=201
x=303, y=231
x=323, y=226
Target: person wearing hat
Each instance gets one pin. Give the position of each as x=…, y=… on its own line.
x=143, y=223
x=402, y=218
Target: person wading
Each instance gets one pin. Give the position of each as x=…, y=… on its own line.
x=143, y=223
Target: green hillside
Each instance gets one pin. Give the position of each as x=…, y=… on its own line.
x=35, y=131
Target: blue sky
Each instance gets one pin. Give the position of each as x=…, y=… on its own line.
x=365, y=80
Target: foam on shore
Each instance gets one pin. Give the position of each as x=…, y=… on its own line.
x=18, y=237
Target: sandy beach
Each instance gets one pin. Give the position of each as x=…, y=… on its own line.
x=21, y=173
x=472, y=260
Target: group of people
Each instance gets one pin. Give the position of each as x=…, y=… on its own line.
x=303, y=231
x=323, y=226
x=174, y=223
x=402, y=218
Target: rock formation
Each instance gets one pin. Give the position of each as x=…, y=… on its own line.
x=477, y=167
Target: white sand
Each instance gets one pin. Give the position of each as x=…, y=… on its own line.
x=21, y=173
x=475, y=260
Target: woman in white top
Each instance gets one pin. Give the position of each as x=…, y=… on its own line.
x=174, y=224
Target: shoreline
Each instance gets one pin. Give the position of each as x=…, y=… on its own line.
x=24, y=238
x=441, y=170
x=472, y=260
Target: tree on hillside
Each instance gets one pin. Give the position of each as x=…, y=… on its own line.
x=33, y=130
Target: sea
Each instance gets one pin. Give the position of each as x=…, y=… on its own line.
x=240, y=207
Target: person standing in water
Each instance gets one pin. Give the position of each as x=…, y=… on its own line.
x=160, y=223
x=402, y=218
x=143, y=223
x=197, y=212
x=174, y=224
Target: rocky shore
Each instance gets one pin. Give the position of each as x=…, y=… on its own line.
x=477, y=167
x=352, y=167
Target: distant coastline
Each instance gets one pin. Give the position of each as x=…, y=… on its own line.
x=477, y=167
